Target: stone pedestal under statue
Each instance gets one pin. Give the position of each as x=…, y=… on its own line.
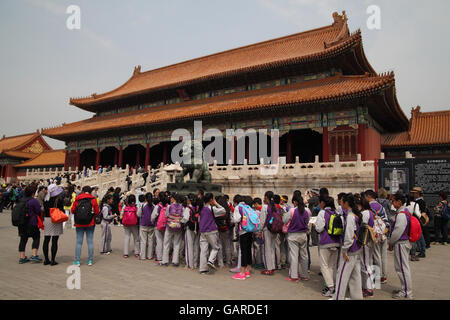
x=184, y=188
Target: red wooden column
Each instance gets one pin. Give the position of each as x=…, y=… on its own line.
x=289, y=148
x=325, y=146
x=147, y=156
x=120, y=157
x=362, y=141
x=165, y=152
x=97, y=160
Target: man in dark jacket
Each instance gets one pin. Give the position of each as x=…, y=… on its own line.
x=418, y=198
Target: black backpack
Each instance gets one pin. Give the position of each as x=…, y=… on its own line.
x=222, y=222
x=83, y=212
x=193, y=221
x=19, y=215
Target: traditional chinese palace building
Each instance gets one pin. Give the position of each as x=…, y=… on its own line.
x=428, y=136
x=20, y=149
x=317, y=87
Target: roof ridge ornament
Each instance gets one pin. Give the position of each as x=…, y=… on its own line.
x=341, y=22
x=137, y=70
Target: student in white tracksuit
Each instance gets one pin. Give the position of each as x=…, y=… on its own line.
x=159, y=234
x=348, y=275
x=107, y=218
x=209, y=234
x=298, y=219
x=130, y=230
x=329, y=244
x=176, y=215
x=268, y=237
x=399, y=242
x=192, y=235
x=367, y=276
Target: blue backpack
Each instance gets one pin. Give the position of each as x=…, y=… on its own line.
x=250, y=221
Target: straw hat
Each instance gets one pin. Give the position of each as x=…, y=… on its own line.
x=417, y=189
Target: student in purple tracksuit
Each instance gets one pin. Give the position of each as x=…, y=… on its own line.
x=367, y=274
x=268, y=237
x=147, y=228
x=399, y=242
x=209, y=234
x=349, y=270
x=380, y=248
x=329, y=245
x=298, y=219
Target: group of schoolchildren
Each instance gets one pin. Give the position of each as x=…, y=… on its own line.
x=269, y=233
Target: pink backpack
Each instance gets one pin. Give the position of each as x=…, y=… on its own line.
x=162, y=219
x=129, y=216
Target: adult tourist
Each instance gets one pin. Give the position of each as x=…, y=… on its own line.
x=418, y=196
x=441, y=219
x=52, y=231
x=30, y=228
x=85, y=204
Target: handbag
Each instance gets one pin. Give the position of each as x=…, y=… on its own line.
x=40, y=224
x=57, y=215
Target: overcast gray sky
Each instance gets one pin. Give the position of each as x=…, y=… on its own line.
x=43, y=63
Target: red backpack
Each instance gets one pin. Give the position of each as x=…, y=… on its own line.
x=415, y=230
x=129, y=216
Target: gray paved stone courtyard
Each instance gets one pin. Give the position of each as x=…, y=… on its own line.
x=113, y=277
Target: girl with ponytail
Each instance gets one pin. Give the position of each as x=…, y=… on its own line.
x=298, y=220
x=349, y=270
x=268, y=237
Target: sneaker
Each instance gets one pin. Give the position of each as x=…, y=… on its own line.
x=76, y=263
x=367, y=293
x=90, y=262
x=304, y=279
x=24, y=260
x=204, y=272
x=421, y=255
x=238, y=276
x=36, y=259
x=175, y=264
x=247, y=274
x=267, y=272
x=211, y=265
x=395, y=291
x=383, y=280
x=125, y=256
x=414, y=258
x=108, y=253
x=291, y=279
x=327, y=292
x=163, y=264
x=400, y=295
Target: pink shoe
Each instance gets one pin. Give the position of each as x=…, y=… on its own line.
x=247, y=274
x=239, y=276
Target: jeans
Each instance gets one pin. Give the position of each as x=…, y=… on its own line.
x=89, y=239
x=419, y=246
